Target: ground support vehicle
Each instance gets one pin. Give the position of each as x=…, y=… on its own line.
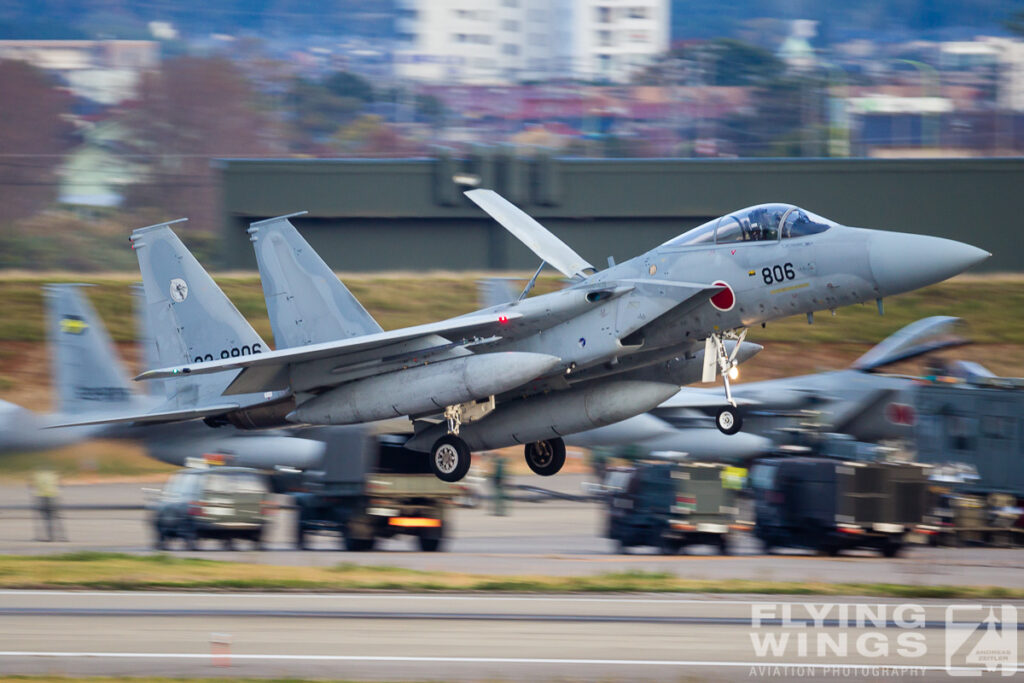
x=972, y=431
x=225, y=503
x=831, y=505
x=670, y=506
x=371, y=487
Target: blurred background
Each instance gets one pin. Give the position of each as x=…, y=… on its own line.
x=115, y=113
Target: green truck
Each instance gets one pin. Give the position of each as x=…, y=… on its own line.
x=671, y=505
x=831, y=505
x=371, y=487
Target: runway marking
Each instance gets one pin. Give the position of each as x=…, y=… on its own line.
x=711, y=600
x=487, y=660
x=453, y=616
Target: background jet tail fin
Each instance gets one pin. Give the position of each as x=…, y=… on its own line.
x=916, y=339
x=190, y=319
x=495, y=291
x=87, y=372
x=306, y=302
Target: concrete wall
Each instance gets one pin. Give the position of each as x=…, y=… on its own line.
x=409, y=214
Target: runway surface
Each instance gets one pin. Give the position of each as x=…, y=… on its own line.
x=457, y=637
x=554, y=538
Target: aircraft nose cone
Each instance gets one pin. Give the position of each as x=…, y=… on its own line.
x=901, y=262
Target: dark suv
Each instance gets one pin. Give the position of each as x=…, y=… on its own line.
x=224, y=503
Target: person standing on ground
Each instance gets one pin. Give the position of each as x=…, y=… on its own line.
x=45, y=488
x=498, y=483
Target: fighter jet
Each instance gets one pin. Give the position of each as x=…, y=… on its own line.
x=613, y=344
x=87, y=375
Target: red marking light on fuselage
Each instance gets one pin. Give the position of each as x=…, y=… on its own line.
x=502, y=319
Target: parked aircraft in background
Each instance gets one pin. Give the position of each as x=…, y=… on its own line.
x=861, y=401
x=90, y=383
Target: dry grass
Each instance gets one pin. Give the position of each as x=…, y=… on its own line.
x=148, y=572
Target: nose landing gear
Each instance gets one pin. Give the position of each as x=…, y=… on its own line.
x=717, y=358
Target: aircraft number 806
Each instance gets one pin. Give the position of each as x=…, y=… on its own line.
x=774, y=274
x=233, y=352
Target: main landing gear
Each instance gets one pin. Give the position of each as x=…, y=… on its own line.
x=450, y=457
x=717, y=357
x=545, y=457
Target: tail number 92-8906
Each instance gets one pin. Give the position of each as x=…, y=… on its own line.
x=775, y=274
x=233, y=352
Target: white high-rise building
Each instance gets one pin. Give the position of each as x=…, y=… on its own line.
x=613, y=38
x=500, y=41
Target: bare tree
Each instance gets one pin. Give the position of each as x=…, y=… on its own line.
x=190, y=113
x=33, y=135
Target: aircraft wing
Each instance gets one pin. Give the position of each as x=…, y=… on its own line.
x=531, y=233
x=158, y=416
x=700, y=399
x=271, y=368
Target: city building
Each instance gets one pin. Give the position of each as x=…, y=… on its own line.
x=503, y=41
x=105, y=71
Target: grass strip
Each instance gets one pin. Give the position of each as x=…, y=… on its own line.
x=116, y=571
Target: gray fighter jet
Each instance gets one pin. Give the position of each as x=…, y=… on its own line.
x=87, y=375
x=613, y=344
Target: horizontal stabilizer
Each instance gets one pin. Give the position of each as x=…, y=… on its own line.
x=162, y=416
x=464, y=327
x=531, y=233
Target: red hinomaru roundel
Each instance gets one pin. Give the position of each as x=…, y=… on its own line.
x=724, y=300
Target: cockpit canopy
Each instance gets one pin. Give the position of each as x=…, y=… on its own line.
x=761, y=223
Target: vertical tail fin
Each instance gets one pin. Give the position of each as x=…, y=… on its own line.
x=306, y=302
x=192, y=320
x=87, y=372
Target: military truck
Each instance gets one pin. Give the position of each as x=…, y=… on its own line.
x=971, y=428
x=671, y=505
x=370, y=487
x=831, y=505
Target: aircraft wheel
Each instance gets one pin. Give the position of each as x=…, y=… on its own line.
x=728, y=420
x=546, y=457
x=450, y=458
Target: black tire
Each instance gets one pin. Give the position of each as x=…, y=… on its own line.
x=190, y=539
x=450, y=458
x=227, y=543
x=723, y=545
x=892, y=549
x=728, y=420
x=545, y=457
x=359, y=545
x=429, y=545
x=669, y=547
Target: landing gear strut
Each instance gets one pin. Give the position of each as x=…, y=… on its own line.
x=450, y=457
x=546, y=457
x=716, y=357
